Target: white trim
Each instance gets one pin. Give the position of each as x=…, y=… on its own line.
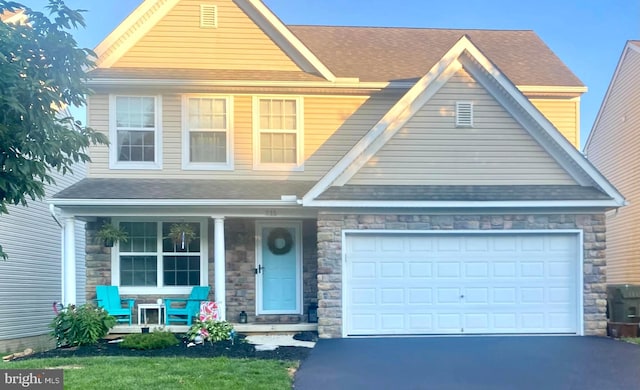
x=298, y=166
x=156, y=164
x=186, y=155
x=551, y=89
x=69, y=295
x=141, y=21
x=464, y=53
x=160, y=289
x=579, y=260
x=297, y=225
x=625, y=51
x=219, y=262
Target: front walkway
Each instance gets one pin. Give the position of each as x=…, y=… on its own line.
x=544, y=362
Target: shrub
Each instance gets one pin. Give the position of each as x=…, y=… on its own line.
x=156, y=340
x=81, y=325
x=211, y=330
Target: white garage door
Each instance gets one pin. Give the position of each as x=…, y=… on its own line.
x=403, y=283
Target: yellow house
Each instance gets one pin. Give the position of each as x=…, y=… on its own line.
x=401, y=181
x=612, y=148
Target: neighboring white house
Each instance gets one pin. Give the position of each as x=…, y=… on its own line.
x=31, y=279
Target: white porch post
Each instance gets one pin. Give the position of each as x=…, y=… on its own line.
x=219, y=267
x=69, y=262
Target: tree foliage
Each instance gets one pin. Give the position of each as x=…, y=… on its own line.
x=41, y=71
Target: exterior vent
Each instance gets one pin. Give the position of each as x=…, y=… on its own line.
x=464, y=114
x=208, y=16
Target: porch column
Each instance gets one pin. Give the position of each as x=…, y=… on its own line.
x=219, y=268
x=69, y=262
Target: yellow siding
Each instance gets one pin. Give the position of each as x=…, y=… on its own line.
x=564, y=114
x=177, y=41
x=332, y=126
x=430, y=150
x=613, y=149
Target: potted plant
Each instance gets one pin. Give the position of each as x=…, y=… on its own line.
x=110, y=234
x=181, y=234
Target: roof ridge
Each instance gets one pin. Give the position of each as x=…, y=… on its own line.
x=410, y=28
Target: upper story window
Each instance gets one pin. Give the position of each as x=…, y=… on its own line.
x=207, y=132
x=278, y=133
x=135, y=132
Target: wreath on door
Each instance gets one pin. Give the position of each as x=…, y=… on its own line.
x=279, y=241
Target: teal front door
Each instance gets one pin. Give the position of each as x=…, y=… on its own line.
x=279, y=268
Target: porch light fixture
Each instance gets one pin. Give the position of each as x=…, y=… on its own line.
x=243, y=317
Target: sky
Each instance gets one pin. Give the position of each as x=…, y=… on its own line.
x=587, y=35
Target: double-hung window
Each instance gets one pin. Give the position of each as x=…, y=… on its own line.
x=135, y=132
x=150, y=261
x=278, y=133
x=207, y=132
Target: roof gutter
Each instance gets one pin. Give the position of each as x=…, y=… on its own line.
x=171, y=202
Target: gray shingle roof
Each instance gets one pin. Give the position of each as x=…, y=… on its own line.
x=183, y=189
x=382, y=54
x=462, y=193
x=386, y=54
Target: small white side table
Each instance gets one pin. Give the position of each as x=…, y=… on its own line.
x=143, y=307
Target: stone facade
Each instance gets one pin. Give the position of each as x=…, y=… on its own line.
x=331, y=225
x=240, y=265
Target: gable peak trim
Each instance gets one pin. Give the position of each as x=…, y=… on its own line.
x=131, y=30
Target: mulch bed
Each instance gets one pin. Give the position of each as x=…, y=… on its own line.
x=238, y=349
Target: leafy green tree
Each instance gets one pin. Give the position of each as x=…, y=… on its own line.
x=41, y=71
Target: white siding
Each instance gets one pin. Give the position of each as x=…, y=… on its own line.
x=431, y=150
x=613, y=149
x=30, y=280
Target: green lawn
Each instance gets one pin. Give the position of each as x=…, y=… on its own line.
x=632, y=340
x=166, y=373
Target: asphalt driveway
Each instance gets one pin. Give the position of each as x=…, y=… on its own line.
x=442, y=363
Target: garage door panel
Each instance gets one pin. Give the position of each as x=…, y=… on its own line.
x=458, y=284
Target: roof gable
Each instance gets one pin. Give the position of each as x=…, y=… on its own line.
x=432, y=149
x=632, y=48
x=464, y=54
x=151, y=37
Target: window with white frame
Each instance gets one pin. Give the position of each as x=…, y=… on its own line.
x=207, y=132
x=135, y=132
x=278, y=132
x=150, y=258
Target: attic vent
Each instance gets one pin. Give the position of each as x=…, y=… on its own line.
x=464, y=114
x=208, y=16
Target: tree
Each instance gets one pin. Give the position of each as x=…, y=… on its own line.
x=41, y=71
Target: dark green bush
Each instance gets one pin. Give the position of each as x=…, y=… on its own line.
x=156, y=340
x=81, y=325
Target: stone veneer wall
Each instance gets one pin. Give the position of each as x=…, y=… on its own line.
x=330, y=226
x=240, y=265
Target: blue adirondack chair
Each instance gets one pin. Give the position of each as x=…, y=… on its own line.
x=108, y=297
x=188, y=307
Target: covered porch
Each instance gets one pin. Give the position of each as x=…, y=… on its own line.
x=259, y=258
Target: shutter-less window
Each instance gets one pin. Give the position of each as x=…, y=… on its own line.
x=208, y=16
x=464, y=114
